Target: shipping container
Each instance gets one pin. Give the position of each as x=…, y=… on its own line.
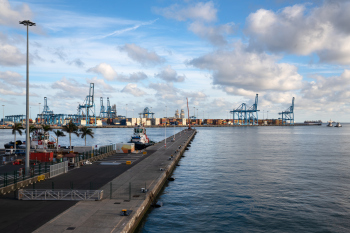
x=42, y=156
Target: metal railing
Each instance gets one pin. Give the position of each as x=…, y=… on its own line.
x=58, y=169
x=9, y=178
x=60, y=195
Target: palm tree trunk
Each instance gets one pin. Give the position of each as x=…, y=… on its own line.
x=70, y=143
x=15, y=144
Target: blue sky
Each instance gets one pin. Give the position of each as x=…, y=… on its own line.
x=156, y=53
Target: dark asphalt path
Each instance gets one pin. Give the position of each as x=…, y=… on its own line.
x=27, y=216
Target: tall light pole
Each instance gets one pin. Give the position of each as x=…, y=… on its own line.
x=39, y=113
x=3, y=114
x=126, y=109
x=27, y=23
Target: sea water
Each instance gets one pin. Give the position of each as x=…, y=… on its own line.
x=259, y=179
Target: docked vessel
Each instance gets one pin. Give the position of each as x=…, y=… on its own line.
x=140, y=138
x=338, y=125
x=41, y=140
x=319, y=122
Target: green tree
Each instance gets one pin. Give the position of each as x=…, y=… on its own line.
x=71, y=128
x=84, y=131
x=58, y=134
x=17, y=127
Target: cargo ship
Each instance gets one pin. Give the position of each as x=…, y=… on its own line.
x=319, y=122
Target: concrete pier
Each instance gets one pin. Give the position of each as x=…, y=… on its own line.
x=125, y=192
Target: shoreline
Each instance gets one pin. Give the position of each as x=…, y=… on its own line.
x=177, y=126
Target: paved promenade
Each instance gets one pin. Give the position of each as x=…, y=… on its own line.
x=104, y=216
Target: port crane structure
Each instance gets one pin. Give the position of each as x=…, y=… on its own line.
x=89, y=107
x=107, y=111
x=48, y=117
x=246, y=115
x=146, y=113
x=288, y=115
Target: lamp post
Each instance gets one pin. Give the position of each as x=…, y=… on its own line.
x=3, y=114
x=27, y=23
x=126, y=109
x=39, y=113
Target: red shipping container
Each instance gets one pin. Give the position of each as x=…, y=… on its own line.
x=42, y=156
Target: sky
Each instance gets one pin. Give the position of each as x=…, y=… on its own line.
x=157, y=53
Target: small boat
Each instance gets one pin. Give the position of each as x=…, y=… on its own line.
x=338, y=125
x=330, y=123
x=140, y=138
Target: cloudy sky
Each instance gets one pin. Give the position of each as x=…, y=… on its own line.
x=156, y=53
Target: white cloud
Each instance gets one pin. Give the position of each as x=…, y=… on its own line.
x=241, y=72
x=133, y=77
x=200, y=11
x=12, y=78
x=70, y=89
x=214, y=34
x=10, y=16
x=132, y=89
x=170, y=75
x=100, y=83
x=142, y=55
x=10, y=55
x=334, y=89
x=105, y=70
x=323, y=30
x=165, y=91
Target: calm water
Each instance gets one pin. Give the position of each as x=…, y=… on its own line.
x=259, y=179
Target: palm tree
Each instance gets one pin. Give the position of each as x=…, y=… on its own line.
x=58, y=134
x=71, y=128
x=46, y=128
x=86, y=131
x=17, y=127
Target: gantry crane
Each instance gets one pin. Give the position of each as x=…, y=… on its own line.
x=288, y=115
x=246, y=116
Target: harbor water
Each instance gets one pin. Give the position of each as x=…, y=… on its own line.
x=259, y=179
x=249, y=179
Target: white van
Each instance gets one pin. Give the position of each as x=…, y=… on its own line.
x=9, y=151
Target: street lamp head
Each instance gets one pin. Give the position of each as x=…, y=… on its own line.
x=27, y=22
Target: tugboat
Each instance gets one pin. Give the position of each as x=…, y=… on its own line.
x=338, y=125
x=140, y=138
x=40, y=140
x=330, y=123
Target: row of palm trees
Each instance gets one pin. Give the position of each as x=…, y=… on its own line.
x=70, y=128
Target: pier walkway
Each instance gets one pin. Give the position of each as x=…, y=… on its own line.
x=105, y=215
x=120, y=183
